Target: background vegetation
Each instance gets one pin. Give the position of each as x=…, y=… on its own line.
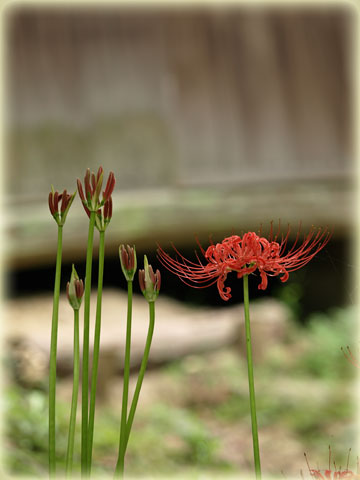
x=193, y=416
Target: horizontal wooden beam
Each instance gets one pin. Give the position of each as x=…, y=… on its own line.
x=145, y=217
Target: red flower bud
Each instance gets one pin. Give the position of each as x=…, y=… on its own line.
x=51, y=204
x=99, y=173
x=128, y=261
x=142, y=280
x=81, y=192
x=56, y=201
x=75, y=290
x=108, y=209
x=93, y=184
x=109, y=186
x=65, y=198
x=66, y=201
x=149, y=281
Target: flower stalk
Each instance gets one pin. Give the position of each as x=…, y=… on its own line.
x=75, y=291
x=96, y=350
x=102, y=220
x=85, y=358
x=93, y=208
x=150, y=287
x=74, y=398
x=142, y=371
x=59, y=206
x=53, y=355
x=119, y=471
x=249, y=358
x=128, y=264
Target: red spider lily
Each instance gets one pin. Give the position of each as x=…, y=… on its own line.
x=60, y=210
x=93, y=184
x=350, y=357
x=244, y=255
x=335, y=474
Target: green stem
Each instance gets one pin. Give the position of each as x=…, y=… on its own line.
x=119, y=470
x=143, y=366
x=53, y=350
x=85, y=363
x=74, y=399
x=251, y=380
x=95, y=361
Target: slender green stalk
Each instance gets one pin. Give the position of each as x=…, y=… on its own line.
x=119, y=470
x=251, y=380
x=95, y=361
x=85, y=363
x=53, y=351
x=74, y=399
x=143, y=366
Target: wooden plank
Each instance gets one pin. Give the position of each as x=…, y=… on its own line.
x=143, y=217
x=186, y=97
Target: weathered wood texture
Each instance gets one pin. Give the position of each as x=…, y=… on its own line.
x=179, y=99
x=178, y=215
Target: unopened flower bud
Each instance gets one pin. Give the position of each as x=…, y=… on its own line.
x=93, y=185
x=128, y=261
x=149, y=281
x=75, y=290
x=60, y=210
x=109, y=186
x=103, y=216
x=108, y=208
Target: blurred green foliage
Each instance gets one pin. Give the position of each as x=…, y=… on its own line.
x=290, y=294
x=304, y=387
x=328, y=333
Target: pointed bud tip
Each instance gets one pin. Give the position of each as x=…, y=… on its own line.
x=128, y=262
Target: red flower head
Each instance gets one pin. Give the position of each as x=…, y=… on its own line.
x=60, y=210
x=243, y=255
x=91, y=200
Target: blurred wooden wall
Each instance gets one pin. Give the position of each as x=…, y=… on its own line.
x=178, y=98
x=183, y=96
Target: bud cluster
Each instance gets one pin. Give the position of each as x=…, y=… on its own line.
x=60, y=204
x=91, y=199
x=60, y=210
